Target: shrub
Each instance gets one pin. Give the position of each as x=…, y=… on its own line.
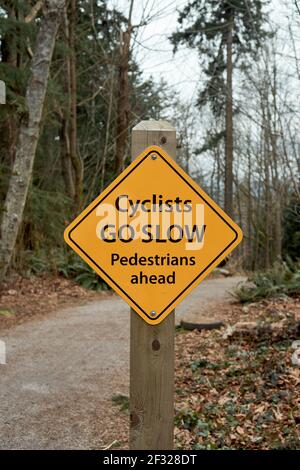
x=66, y=264
x=280, y=281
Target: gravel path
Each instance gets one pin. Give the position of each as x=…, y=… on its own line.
x=62, y=370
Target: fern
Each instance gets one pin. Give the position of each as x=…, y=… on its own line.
x=64, y=263
x=280, y=281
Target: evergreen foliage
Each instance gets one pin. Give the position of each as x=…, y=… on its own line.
x=203, y=25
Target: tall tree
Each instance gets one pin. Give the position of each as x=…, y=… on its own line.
x=29, y=131
x=225, y=32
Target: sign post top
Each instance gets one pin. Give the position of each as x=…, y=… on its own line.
x=153, y=234
x=152, y=125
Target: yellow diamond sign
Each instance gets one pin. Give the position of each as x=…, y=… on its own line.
x=153, y=235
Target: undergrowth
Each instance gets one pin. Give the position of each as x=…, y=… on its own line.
x=280, y=281
x=64, y=263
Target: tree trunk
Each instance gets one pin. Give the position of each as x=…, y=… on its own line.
x=278, y=229
x=268, y=215
x=123, y=102
x=123, y=105
x=249, y=215
x=229, y=121
x=29, y=132
x=108, y=125
x=219, y=176
x=66, y=163
x=276, y=179
x=76, y=161
x=64, y=117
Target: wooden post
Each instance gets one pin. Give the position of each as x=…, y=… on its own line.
x=152, y=347
x=2, y=92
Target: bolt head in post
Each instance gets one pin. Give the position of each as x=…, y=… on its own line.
x=153, y=313
x=153, y=156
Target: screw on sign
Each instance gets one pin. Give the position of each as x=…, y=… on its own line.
x=153, y=235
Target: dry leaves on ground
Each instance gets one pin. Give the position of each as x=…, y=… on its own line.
x=240, y=393
x=22, y=298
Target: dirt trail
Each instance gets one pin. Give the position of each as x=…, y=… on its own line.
x=63, y=369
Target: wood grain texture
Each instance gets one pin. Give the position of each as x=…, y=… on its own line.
x=152, y=347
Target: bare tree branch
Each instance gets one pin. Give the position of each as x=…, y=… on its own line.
x=33, y=12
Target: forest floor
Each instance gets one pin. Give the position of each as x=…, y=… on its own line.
x=240, y=389
x=23, y=299
x=65, y=382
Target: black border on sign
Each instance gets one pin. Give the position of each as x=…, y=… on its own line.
x=195, y=279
